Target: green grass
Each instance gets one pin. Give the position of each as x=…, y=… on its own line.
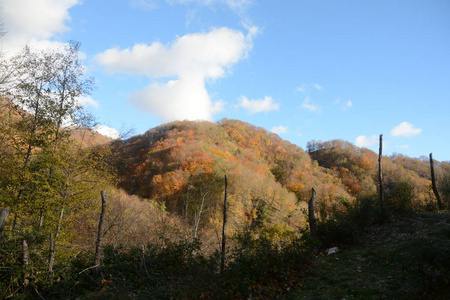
x=405, y=259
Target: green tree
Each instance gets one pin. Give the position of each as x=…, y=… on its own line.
x=44, y=175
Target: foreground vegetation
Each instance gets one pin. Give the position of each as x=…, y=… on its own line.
x=401, y=258
x=404, y=259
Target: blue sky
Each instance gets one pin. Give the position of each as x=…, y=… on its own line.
x=304, y=69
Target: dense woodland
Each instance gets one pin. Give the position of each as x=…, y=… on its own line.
x=165, y=188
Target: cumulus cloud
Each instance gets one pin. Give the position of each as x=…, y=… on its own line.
x=192, y=59
x=107, y=131
x=87, y=100
x=33, y=22
x=308, y=105
x=364, y=141
x=258, y=105
x=405, y=129
x=279, y=129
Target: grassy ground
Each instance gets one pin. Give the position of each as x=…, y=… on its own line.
x=408, y=258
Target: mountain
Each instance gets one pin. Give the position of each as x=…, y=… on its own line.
x=182, y=165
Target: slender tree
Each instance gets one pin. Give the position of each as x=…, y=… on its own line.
x=4, y=212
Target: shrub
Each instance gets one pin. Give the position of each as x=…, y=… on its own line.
x=402, y=198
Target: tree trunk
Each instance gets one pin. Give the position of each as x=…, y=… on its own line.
x=198, y=214
x=26, y=262
x=98, y=251
x=4, y=212
x=53, y=241
x=311, y=216
x=380, y=175
x=433, y=184
x=224, y=235
x=51, y=259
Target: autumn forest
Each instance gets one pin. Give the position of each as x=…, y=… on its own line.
x=161, y=235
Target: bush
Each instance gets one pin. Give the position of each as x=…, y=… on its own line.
x=345, y=227
x=259, y=271
x=402, y=199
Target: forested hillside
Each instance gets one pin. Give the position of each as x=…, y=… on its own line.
x=182, y=165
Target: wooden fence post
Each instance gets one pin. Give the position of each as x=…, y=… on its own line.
x=311, y=216
x=224, y=236
x=433, y=184
x=380, y=176
x=98, y=251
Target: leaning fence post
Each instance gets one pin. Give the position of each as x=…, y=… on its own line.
x=98, y=251
x=224, y=236
x=311, y=216
x=380, y=176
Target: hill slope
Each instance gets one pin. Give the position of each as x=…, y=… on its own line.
x=405, y=259
x=182, y=165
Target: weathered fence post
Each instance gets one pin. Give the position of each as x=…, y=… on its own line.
x=98, y=251
x=4, y=212
x=380, y=175
x=433, y=184
x=311, y=216
x=224, y=236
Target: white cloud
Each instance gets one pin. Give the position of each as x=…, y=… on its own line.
x=308, y=105
x=364, y=141
x=405, y=129
x=33, y=22
x=193, y=59
x=258, y=105
x=318, y=87
x=87, y=100
x=107, y=131
x=349, y=103
x=279, y=129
